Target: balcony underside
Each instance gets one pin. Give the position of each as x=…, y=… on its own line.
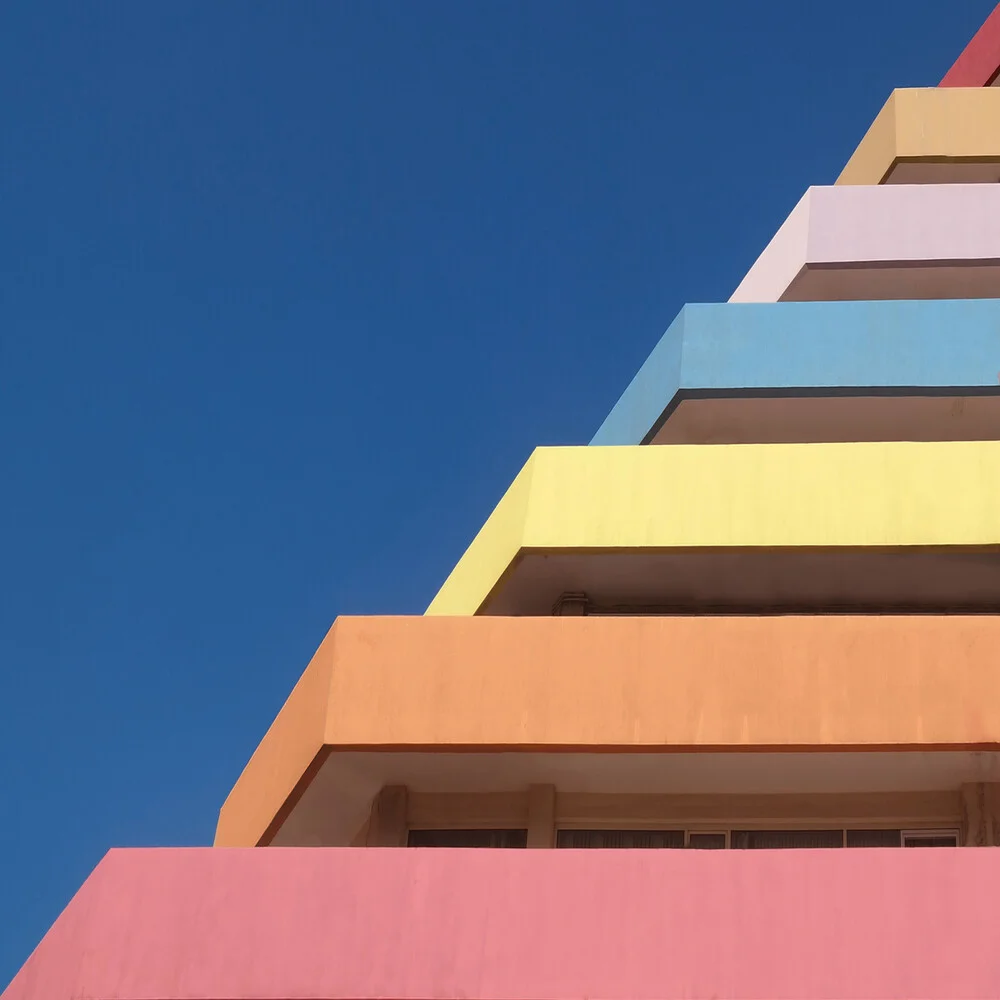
x=754, y=581
x=781, y=417
x=944, y=170
x=686, y=791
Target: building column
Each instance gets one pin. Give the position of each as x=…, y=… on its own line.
x=387, y=826
x=542, y=816
x=981, y=814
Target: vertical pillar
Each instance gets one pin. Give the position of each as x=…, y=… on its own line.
x=972, y=815
x=387, y=826
x=992, y=802
x=981, y=814
x=542, y=816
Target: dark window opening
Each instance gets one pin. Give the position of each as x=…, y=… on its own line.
x=874, y=838
x=930, y=839
x=707, y=841
x=467, y=838
x=769, y=839
x=620, y=838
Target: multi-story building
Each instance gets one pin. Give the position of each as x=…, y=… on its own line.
x=760, y=611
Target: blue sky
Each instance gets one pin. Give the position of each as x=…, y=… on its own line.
x=288, y=292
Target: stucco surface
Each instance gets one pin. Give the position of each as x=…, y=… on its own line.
x=670, y=684
x=868, y=242
x=929, y=124
x=608, y=499
x=979, y=62
x=737, y=348
x=290, y=924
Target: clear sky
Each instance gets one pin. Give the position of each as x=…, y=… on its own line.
x=288, y=292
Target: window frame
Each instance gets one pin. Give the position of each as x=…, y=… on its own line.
x=918, y=834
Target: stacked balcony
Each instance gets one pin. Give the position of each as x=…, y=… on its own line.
x=760, y=611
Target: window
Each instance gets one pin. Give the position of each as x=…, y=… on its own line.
x=874, y=838
x=930, y=838
x=707, y=841
x=620, y=838
x=768, y=839
x=467, y=838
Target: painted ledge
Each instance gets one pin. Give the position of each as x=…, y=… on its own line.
x=979, y=63
x=817, y=371
x=611, y=520
x=918, y=241
x=931, y=136
x=381, y=688
x=525, y=925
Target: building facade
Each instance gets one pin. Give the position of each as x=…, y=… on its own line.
x=760, y=611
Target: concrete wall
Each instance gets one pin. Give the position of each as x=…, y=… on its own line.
x=928, y=124
x=526, y=925
x=809, y=347
x=611, y=684
x=823, y=495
